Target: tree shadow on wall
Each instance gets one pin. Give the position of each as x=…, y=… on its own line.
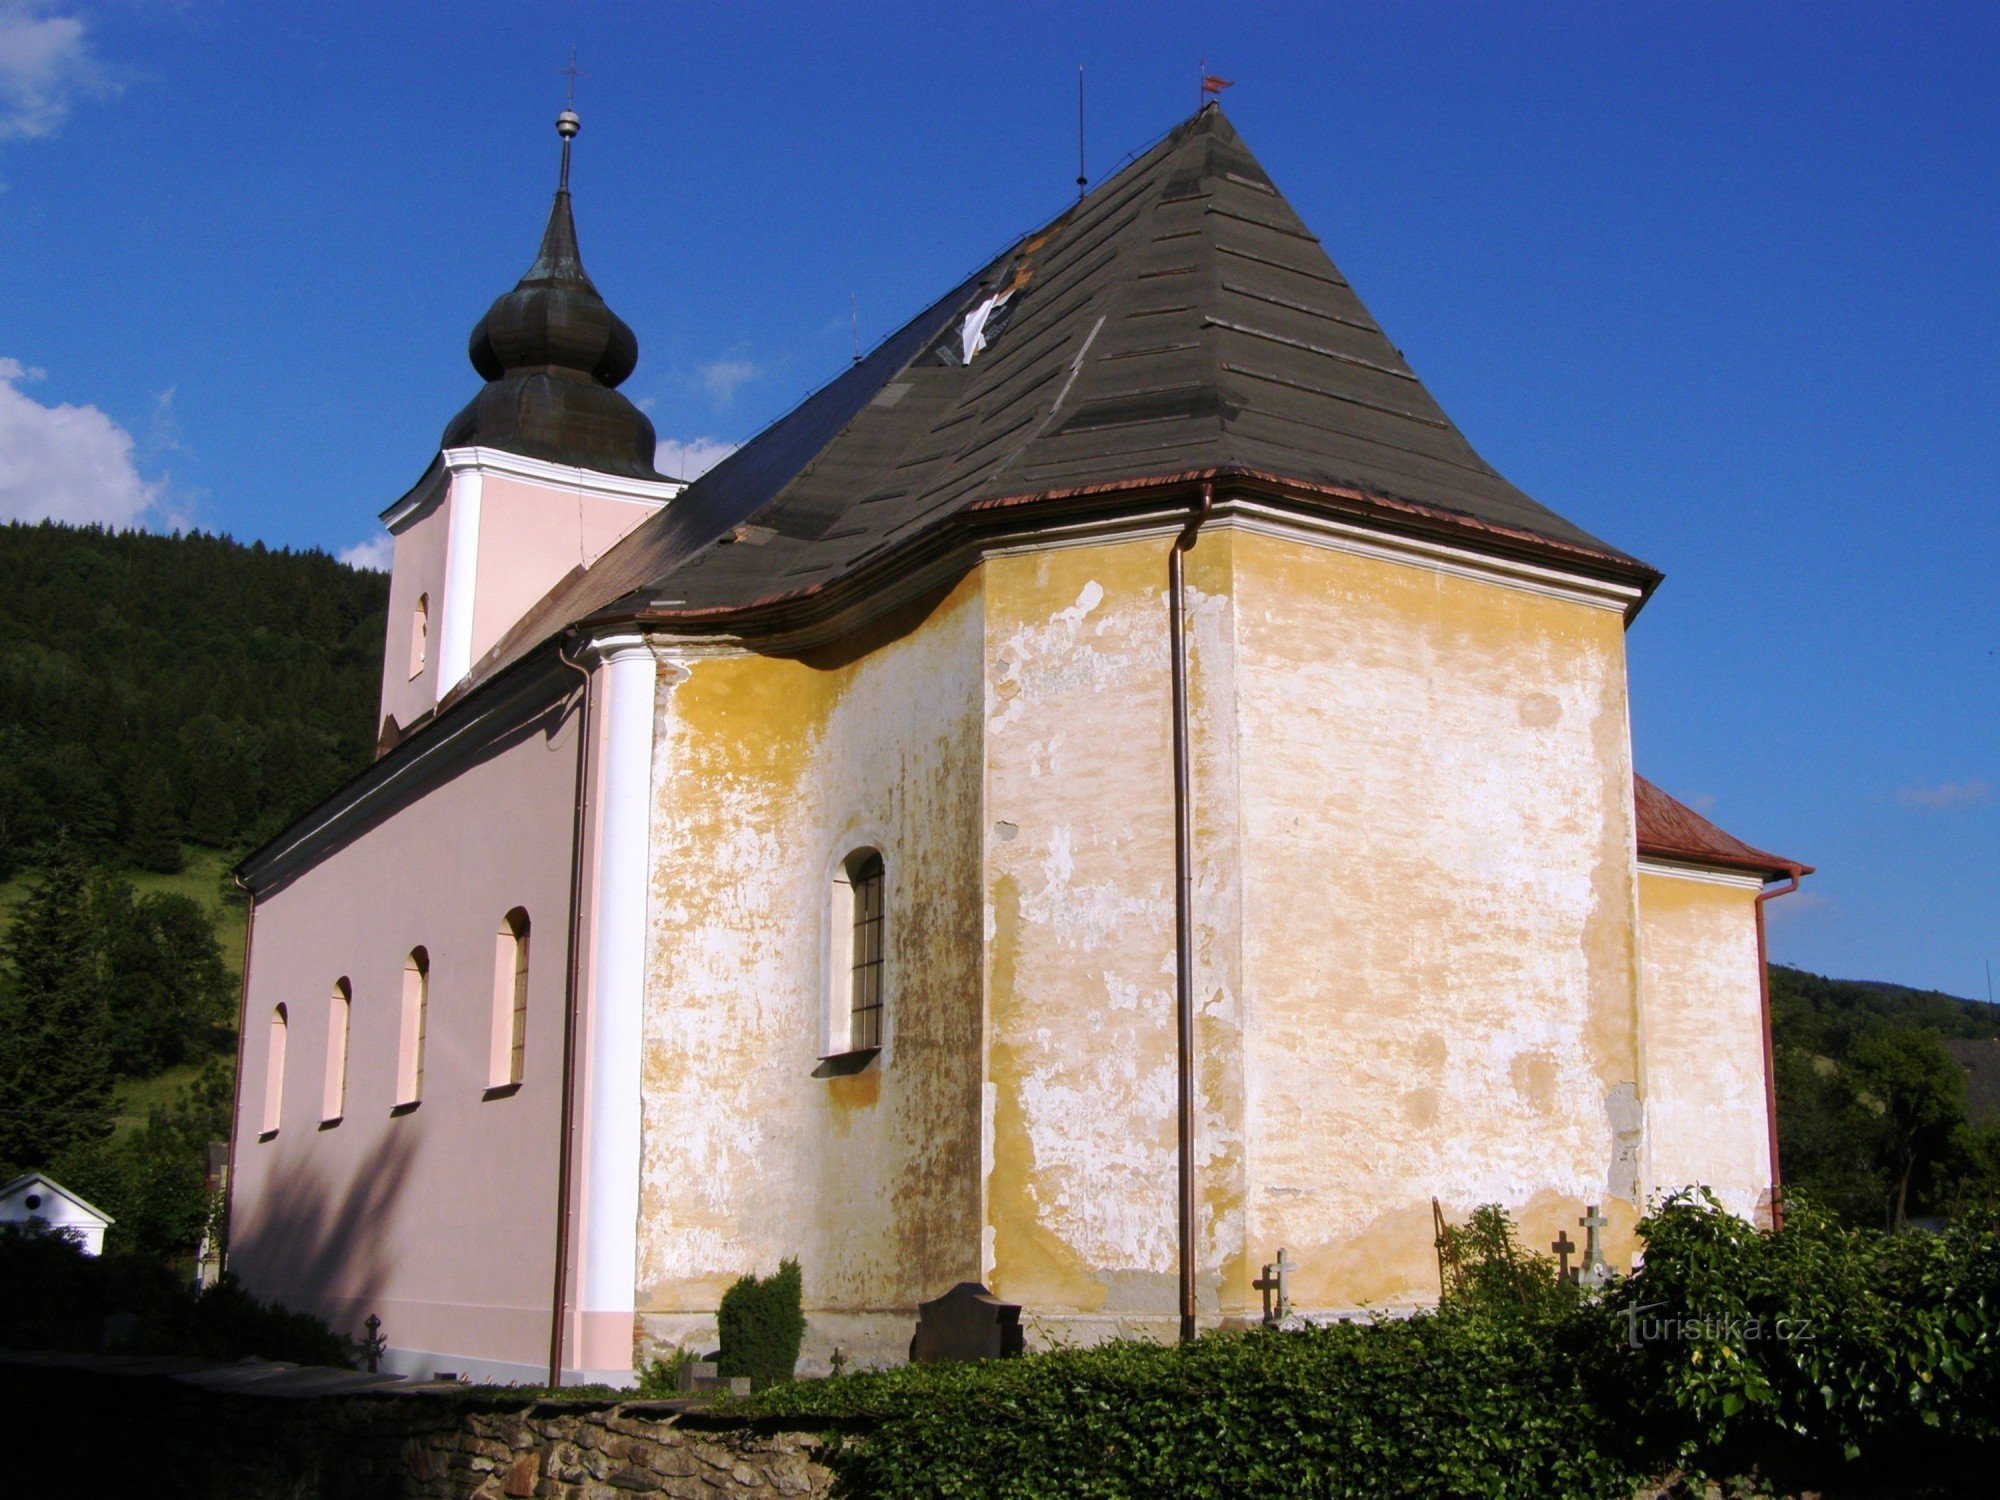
x=324, y=1246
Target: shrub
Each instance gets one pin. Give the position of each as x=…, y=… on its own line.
x=762, y=1325
x=662, y=1376
x=1855, y=1341
x=1450, y=1404
x=53, y=1296
x=1518, y=1386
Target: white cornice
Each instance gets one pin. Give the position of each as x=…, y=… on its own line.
x=1742, y=880
x=651, y=493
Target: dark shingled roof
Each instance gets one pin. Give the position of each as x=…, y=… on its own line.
x=1179, y=322
x=1672, y=830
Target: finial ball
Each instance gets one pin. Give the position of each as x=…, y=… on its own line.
x=567, y=124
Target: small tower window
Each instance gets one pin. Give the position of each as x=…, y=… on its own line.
x=410, y=1050
x=508, y=1049
x=420, y=635
x=274, y=1073
x=333, y=1098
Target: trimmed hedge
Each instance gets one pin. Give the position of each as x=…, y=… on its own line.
x=762, y=1326
x=1500, y=1395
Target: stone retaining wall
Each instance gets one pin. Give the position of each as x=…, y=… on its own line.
x=161, y=1435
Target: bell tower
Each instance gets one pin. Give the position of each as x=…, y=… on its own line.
x=543, y=471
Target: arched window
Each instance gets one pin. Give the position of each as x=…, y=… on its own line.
x=859, y=934
x=508, y=1048
x=410, y=1050
x=420, y=634
x=333, y=1096
x=274, y=1073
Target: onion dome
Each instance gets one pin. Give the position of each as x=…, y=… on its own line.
x=553, y=355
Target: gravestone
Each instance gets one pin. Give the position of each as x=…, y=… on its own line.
x=1596, y=1271
x=966, y=1323
x=1277, y=1279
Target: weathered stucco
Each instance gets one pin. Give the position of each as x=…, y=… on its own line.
x=1081, y=1172
x=770, y=771
x=1439, y=921
x=1414, y=923
x=1706, y=1104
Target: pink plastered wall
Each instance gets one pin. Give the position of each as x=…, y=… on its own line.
x=439, y=1219
x=418, y=572
x=530, y=537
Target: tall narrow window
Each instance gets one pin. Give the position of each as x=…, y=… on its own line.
x=420, y=634
x=333, y=1095
x=410, y=1050
x=864, y=985
x=508, y=1048
x=274, y=1073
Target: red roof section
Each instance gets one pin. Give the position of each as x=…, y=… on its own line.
x=1673, y=830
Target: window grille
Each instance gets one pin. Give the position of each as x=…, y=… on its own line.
x=864, y=1021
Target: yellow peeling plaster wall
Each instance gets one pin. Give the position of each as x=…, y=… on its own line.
x=1706, y=1108
x=1439, y=895
x=1415, y=942
x=1080, y=937
x=768, y=771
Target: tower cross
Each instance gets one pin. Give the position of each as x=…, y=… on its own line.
x=567, y=123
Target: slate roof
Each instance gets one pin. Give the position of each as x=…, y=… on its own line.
x=1180, y=322
x=1672, y=830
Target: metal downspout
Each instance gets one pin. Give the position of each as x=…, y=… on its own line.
x=559, y=1298
x=236, y=1084
x=1184, y=899
x=1770, y=1057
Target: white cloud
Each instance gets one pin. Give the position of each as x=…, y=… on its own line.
x=1946, y=794
x=691, y=459
x=374, y=554
x=66, y=463
x=46, y=65
x=724, y=376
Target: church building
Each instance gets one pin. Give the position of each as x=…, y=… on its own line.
x=1109, y=787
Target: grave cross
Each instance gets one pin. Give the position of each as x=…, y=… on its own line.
x=1277, y=1278
x=1594, y=1269
x=374, y=1346
x=1564, y=1247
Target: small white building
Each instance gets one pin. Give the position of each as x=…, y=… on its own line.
x=44, y=1203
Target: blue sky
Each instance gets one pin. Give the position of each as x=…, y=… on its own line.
x=1717, y=282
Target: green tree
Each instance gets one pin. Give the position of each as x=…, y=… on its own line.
x=164, y=981
x=154, y=842
x=154, y=1181
x=55, y=1071
x=1919, y=1089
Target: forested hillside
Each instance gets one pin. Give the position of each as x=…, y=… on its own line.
x=1873, y=1120
x=165, y=703
x=156, y=690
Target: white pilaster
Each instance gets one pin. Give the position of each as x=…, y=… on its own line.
x=609, y=1186
x=461, y=577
